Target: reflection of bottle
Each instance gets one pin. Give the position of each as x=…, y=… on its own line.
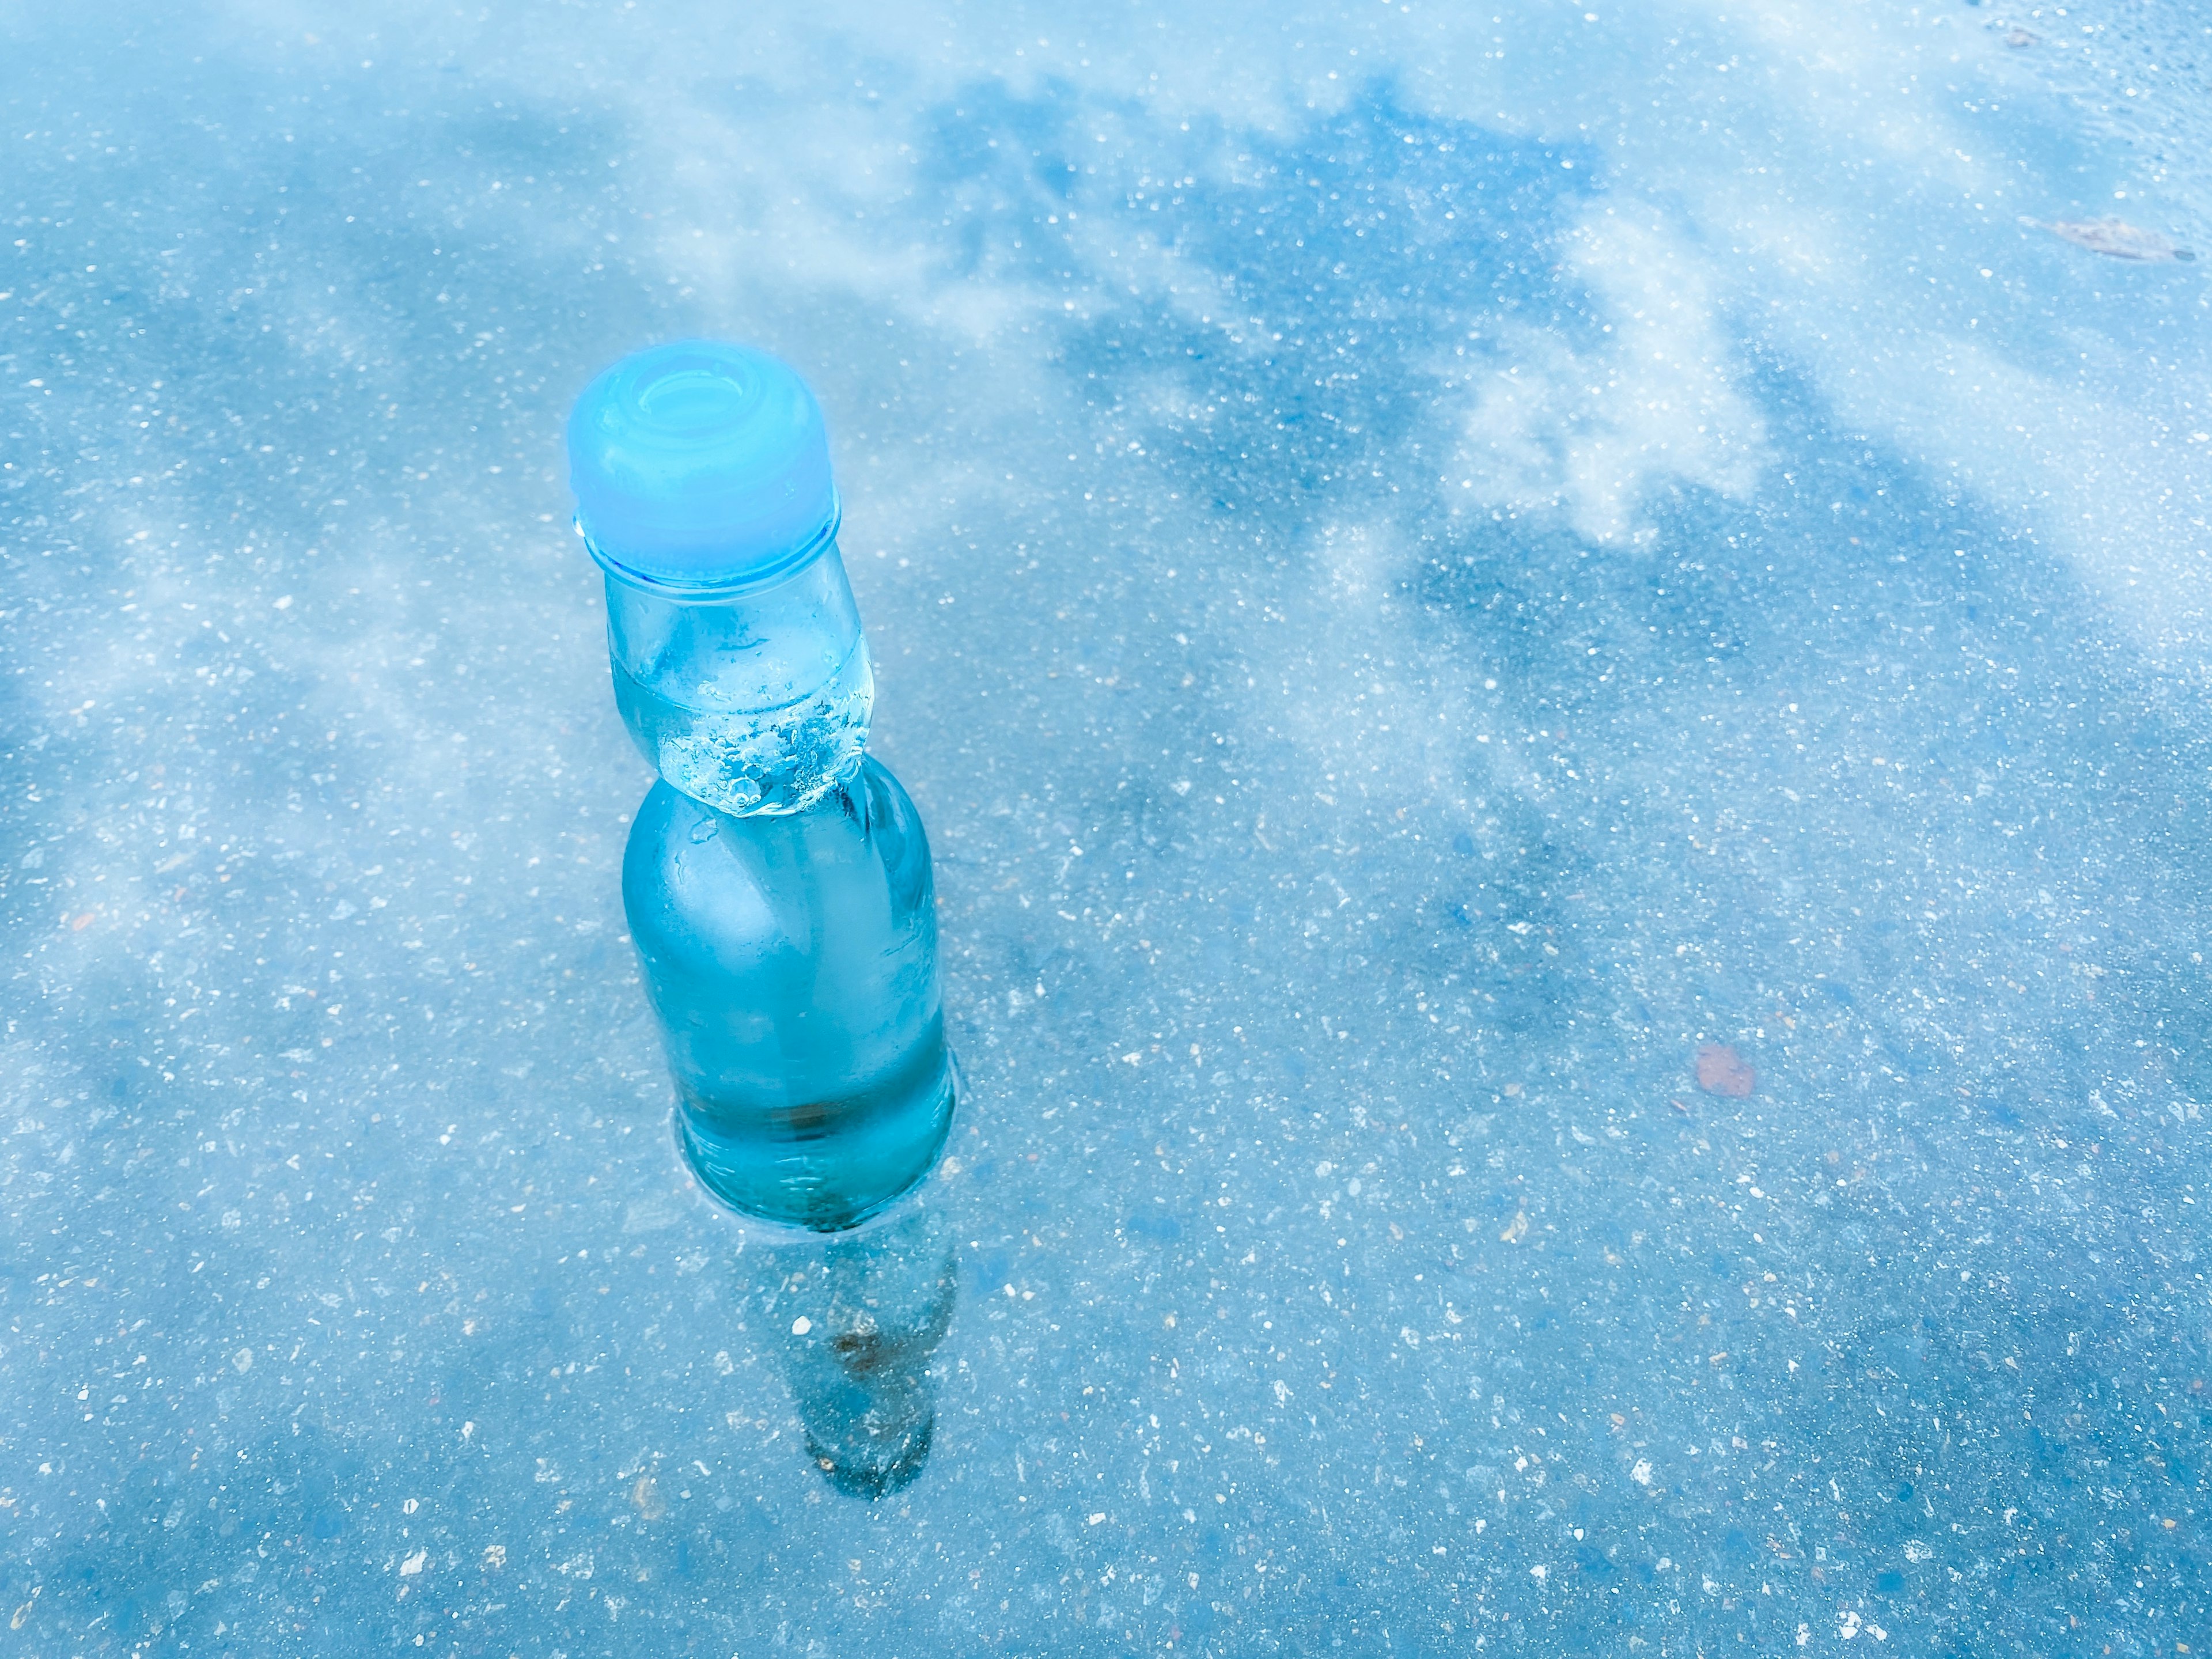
x=777, y=882
x=859, y=1317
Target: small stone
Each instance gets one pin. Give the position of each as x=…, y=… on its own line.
x=1722, y=1071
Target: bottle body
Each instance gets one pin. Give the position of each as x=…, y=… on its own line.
x=750, y=699
x=792, y=959
x=777, y=882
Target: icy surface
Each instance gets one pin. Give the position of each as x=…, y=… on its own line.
x=1438, y=577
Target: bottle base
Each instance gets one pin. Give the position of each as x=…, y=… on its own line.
x=851, y=1162
x=881, y=1464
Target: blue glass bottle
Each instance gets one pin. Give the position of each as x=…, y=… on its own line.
x=777, y=880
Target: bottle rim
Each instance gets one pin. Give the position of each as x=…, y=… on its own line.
x=755, y=579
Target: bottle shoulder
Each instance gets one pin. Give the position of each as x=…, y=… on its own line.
x=895, y=827
x=857, y=863
x=868, y=807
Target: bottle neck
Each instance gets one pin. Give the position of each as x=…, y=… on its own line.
x=751, y=701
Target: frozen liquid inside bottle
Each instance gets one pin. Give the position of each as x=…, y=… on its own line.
x=791, y=960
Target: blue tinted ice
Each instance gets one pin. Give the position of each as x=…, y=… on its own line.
x=1556, y=659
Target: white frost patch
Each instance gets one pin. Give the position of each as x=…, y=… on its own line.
x=650, y=1215
x=1591, y=431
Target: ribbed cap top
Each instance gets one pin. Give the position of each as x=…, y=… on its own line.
x=701, y=465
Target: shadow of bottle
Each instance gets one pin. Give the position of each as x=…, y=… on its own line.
x=856, y=1317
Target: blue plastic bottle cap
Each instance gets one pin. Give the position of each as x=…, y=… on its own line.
x=700, y=465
